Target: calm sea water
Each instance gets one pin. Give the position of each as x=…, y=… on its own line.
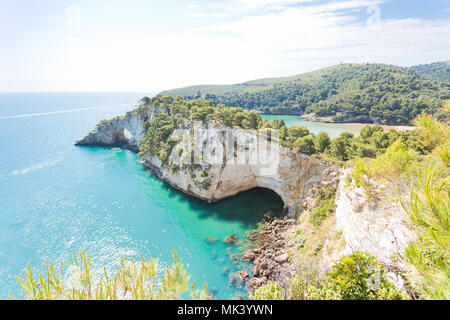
x=333, y=129
x=56, y=198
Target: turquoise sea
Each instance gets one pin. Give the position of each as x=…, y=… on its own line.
x=56, y=198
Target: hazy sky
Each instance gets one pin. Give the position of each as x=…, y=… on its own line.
x=146, y=45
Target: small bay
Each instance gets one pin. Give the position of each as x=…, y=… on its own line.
x=56, y=198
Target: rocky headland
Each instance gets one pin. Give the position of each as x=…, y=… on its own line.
x=231, y=160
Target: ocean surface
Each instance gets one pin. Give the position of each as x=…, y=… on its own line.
x=56, y=198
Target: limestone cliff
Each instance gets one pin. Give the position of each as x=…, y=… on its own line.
x=224, y=161
x=227, y=160
x=377, y=227
x=125, y=131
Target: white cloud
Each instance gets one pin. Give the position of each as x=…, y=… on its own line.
x=257, y=4
x=209, y=14
x=291, y=40
x=192, y=6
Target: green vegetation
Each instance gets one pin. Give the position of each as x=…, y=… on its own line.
x=428, y=208
x=157, y=134
x=204, y=174
x=271, y=291
x=174, y=112
x=381, y=161
x=438, y=70
x=106, y=123
x=325, y=204
x=381, y=93
x=372, y=142
x=429, y=256
x=132, y=280
x=355, y=277
x=391, y=168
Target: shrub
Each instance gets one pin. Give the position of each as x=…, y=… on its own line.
x=204, y=174
x=305, y=145
x=429, y=255
x=298, y=131
x=271, y=291
x=390, y=168
x=325, y=204
x=322, y=142
x=360, y=277
x=428, y=210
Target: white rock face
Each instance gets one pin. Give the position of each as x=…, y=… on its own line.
x=377, y=228
x=124, y=131
x=244, y=166
x=228, y=161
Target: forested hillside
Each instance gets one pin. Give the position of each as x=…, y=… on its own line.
x=381, y=93
x=439, y=70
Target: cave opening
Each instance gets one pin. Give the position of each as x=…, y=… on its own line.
x=248, y=207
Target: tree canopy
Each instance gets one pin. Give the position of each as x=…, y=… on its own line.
x=383, y=93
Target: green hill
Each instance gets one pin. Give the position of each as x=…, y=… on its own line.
x=439, y=70
x=252, y=85
x=384, y=93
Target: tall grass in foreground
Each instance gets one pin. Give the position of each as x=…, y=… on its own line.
x=133, y=280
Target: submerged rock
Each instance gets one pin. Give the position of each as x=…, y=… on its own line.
x=235, y=280
x=234, y=258
x=249, y=255
x=231, y=239
x=214, y=291
x=211, y=239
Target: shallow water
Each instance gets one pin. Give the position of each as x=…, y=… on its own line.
x=333, y=129
x=55, y=197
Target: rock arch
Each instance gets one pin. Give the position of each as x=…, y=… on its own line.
x=292, y=175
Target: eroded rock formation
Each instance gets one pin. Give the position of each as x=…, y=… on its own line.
x=227, y=160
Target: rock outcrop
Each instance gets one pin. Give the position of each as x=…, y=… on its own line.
x=271, y=256
x=227, y=161
x=372, y=226
x=339, y=119
x=376, y=227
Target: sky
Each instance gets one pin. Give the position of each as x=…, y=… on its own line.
x=153, y=45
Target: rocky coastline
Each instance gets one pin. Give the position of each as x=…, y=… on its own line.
x=294, y=176
x=271, y=256
x=340, y=119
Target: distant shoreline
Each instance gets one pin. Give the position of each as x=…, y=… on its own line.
x=328, y=120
